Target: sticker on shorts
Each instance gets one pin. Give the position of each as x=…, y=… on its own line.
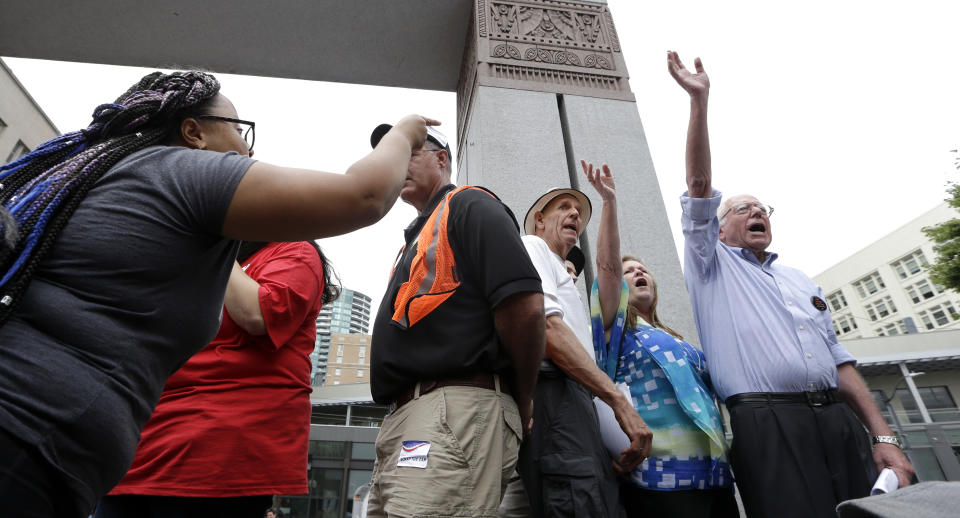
x=413, y=454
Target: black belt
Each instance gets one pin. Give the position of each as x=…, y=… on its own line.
x=812, y=398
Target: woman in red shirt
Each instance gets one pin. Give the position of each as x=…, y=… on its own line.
x=232, y=426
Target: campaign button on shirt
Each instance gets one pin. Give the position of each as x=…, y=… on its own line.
x=818, y=303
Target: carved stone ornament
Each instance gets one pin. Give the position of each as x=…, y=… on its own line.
x=542, y=45
x=554, y=45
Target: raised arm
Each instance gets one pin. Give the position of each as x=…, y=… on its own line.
x=609, y=271
x=275, y=203
x=699, y=174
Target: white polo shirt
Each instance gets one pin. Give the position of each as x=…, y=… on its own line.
x=560, y=293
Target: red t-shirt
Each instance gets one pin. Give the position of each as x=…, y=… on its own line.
x=235, y=419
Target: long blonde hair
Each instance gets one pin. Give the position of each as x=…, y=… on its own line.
x=633, y=314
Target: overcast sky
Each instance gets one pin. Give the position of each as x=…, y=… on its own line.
x=841, y=115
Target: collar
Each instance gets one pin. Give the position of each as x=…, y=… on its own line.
x=414, y=227
x=751, y=257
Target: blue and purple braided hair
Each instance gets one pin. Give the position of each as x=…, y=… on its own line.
x=40, y=191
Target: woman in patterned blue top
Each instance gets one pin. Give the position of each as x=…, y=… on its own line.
x=687, y=473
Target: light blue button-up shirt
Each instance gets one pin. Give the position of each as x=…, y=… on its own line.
x=758, y=324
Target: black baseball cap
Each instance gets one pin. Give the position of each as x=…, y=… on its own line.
x=575, y=256
x=432, y=135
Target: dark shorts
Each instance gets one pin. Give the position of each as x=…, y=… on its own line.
x=564, y=467
x=691, y=503
x=150, y=506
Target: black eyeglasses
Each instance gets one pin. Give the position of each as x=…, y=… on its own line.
x=249, y=134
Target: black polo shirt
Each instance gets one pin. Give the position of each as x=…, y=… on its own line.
x=457, y=338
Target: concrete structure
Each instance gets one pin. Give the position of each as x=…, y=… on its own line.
x=350, y=313
x=23, y=125
x=885, y=290
x=540, y=83
x=349, y=361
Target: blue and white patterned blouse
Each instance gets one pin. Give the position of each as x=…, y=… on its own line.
x=665, y=377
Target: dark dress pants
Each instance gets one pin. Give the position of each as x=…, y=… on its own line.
x=797, y=460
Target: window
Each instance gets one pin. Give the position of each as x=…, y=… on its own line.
x=336, y=382
x=837, y=300
x=938, y=401
x=363, y=352
x=869, y=285
x=921, y=291
x=881, y=308
x=359, y=373
x=339, y=359
x=340, y=350
x=910, y=265
x=938, y=315
x=894, y=328
x=879, y=399
x=336, y=372
x=844, y=324
x=18, y=151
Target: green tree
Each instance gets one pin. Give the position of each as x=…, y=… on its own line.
x=945, y=269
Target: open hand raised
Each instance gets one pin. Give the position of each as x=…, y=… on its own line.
x=602, y=181
x=695, y=84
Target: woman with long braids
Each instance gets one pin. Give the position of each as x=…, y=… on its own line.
x=687, y=474
x=126, y=235
x=232, y=426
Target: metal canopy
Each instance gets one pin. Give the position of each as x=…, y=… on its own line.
x=377, y=42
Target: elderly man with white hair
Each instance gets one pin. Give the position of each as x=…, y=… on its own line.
x=790, y=386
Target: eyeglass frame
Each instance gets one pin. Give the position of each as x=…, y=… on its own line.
x=766, y=209
x=251, y=130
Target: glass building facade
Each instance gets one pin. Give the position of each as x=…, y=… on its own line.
x=340, y=462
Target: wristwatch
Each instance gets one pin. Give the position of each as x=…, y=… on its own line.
x=889, y=439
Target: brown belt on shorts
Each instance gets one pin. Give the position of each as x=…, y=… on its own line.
x=483, y=380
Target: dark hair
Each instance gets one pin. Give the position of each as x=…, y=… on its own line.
x=40, y=191
x=276, y=512
x=331, y=281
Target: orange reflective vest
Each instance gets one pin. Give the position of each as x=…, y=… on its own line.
x=433, y=270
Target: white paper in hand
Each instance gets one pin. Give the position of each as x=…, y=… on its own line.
x=887, y=482
x=614, y=440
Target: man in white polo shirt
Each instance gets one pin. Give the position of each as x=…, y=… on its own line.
x=563, y=457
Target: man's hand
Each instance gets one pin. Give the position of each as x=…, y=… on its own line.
x=641, y=437
x=889, y=456
x=697, y=85
x=526, y=415
x=601, y=181
x=414, y=128
x=854, y=391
